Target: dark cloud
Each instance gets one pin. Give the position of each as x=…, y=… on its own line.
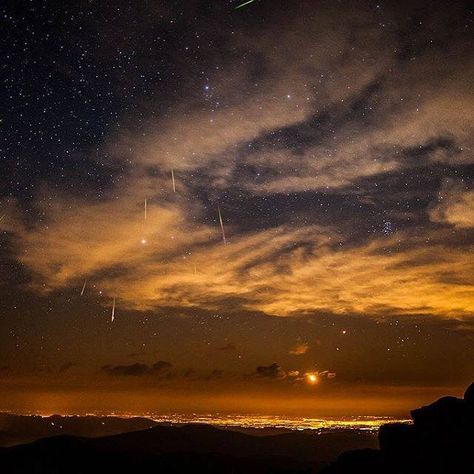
x=320, y=127
x=160, y=368
x=270, y=371
x=126, y=370
x=227, y=347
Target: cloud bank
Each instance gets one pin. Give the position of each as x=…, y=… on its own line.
x=313, y=172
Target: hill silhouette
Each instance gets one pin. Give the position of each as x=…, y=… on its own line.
x=182, y=449
x=440, y=441
x=19, y=429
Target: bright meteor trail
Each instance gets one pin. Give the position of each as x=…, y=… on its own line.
x=243, y=4
x=113, y=312
x=222, y=223
x=83, y=287
x=173, y=181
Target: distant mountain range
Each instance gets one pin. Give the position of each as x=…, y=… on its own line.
x=176, y=449
x=17, y=429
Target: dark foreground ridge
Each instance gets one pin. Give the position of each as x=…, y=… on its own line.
x=182, y=449
x=22, y=429
x=441, y=440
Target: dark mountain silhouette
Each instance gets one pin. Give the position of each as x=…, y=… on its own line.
x=440, y=441
x=16, y=429
x=183, y=449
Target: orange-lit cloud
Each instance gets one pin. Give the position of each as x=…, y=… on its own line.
x=282, y=271
x=299, y=348
x=293, y=130
x=455, y=206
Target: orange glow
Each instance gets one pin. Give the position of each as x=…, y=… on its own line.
x=311, y=378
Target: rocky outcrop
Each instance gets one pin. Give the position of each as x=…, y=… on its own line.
x=440, y=440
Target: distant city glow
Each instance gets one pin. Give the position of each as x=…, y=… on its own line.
x=322, y=424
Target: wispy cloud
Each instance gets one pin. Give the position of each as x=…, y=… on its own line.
x=298, y=128
x=281, y=271
x=273, y=371
x=455, y=205
x=160, y=368
x=299, y=348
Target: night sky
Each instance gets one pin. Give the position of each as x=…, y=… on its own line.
x=262, y=209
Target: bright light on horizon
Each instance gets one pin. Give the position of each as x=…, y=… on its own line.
x=311, y=378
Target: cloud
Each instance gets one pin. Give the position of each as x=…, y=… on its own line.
x=299, y=348
x=294, y=125
x=227, y=347
x=138, y=369
x=186, y=265
x=327, y=373
x=126, y=370
x=274, y=371
x=206, y=376
x=271, y=371
x=455, y=205
x=81, y=238
x=275, y=120
x=311, y=377
x=160, y=367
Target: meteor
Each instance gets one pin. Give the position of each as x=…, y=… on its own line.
x=243, y=4
x=222, y=224
x=113, y=312
x=83, y=287
x=172, y=180
x=146, y=202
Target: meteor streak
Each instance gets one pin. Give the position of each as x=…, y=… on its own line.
x=83, y=287
x=222, y=224
x=146, y=202
x=113, y=312
x=172, y=180
x=243, y=4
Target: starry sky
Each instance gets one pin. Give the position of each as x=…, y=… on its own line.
x=262, y=209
